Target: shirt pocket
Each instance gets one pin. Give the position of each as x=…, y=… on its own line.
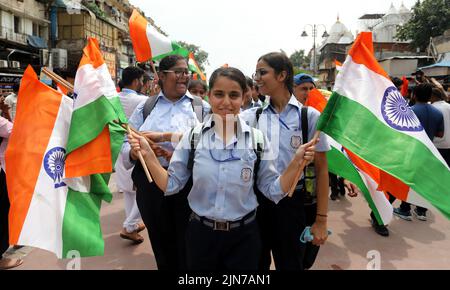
x=292, y=141
x=243, y=169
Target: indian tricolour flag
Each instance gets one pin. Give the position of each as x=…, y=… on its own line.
x=193, y=66
x=340, y=164
x=96, y=109
x=338, y=65
x=149, y=43
x=369, y=117
x=48, y=211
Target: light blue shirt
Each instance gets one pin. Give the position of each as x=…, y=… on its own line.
x=285, y=130
x=166, y=116
x=252, y=105
x=223, y=190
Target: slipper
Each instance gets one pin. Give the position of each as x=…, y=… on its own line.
x=133, y=236
x=8, y=263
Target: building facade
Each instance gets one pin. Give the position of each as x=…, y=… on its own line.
x=24, y=30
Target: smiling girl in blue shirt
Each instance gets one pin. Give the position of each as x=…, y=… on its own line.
x=222, y=233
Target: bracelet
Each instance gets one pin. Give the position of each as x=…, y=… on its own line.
x=322, y=215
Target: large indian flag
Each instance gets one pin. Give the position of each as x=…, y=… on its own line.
x=149, y=43
x=340, y=164
x=369, y=117
x=48, y=211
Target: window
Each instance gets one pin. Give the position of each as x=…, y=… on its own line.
x=35, y=29
x=17, y=24
x=43, y=32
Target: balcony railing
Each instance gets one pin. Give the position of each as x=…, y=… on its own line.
x=9, y=34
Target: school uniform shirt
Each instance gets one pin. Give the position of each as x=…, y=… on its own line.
x=223, y=175
x=252, y=105
x=166, y=116
x=129, y=99
x=285, y=130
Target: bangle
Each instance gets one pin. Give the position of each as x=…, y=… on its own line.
x=322, y=215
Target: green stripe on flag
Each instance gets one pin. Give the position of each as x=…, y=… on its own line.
x=81, y=229
x=90, y=120
x=400, y=155
x=340, y=165
x=176, y=49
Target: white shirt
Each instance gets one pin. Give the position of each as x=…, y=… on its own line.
x=129, y=100
x=443, y=143
x=11, y=101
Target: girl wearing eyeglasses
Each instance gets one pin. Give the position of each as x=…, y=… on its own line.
x=172, y=114
x=222, y=233
x=282, y=224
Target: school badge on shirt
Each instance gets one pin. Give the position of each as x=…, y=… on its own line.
x=246, y=174
x=296, y=141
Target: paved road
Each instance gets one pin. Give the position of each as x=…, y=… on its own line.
x=411, y=245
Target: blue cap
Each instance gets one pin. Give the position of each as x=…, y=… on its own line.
x=303, y=78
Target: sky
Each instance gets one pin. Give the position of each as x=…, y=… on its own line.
x=238, y=32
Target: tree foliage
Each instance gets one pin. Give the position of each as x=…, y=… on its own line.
x=299, y=59
x=200, y=55
x=430, y=18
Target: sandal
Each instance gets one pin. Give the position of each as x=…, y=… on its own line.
x=8, y=263
x=133, y=236
x=140, y=228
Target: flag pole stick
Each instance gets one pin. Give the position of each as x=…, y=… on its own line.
x=58, y=79
x=141, y=159
x=154, y=70
x=304, y=163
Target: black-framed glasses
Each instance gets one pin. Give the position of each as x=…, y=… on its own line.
x=259, y=73
x=179, y=72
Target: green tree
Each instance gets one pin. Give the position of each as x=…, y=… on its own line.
x=200, y=55
x=299, y=59
x=430, y=18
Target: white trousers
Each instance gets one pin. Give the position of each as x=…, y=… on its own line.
x=133, y=216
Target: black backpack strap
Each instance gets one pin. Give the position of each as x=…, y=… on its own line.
x=258, y=147
x=149, y=105
x=258, y=115
x=197, y=106
x=194, y=137
x=304, y=116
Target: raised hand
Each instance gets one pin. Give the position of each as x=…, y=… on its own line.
x=139, y=144
x=306, y=151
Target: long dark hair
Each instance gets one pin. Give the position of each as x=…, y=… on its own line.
x=280, y=62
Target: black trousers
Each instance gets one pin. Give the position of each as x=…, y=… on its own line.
x=336, y=184
x=281, y=226
x=391, y=201
x=404, y=206
x=4, y=211
x=235, y=250
x=446, y=155
x=166, y=220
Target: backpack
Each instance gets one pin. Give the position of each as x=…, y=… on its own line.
x=197, y=107
x=305, y=186
x=258, y=146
